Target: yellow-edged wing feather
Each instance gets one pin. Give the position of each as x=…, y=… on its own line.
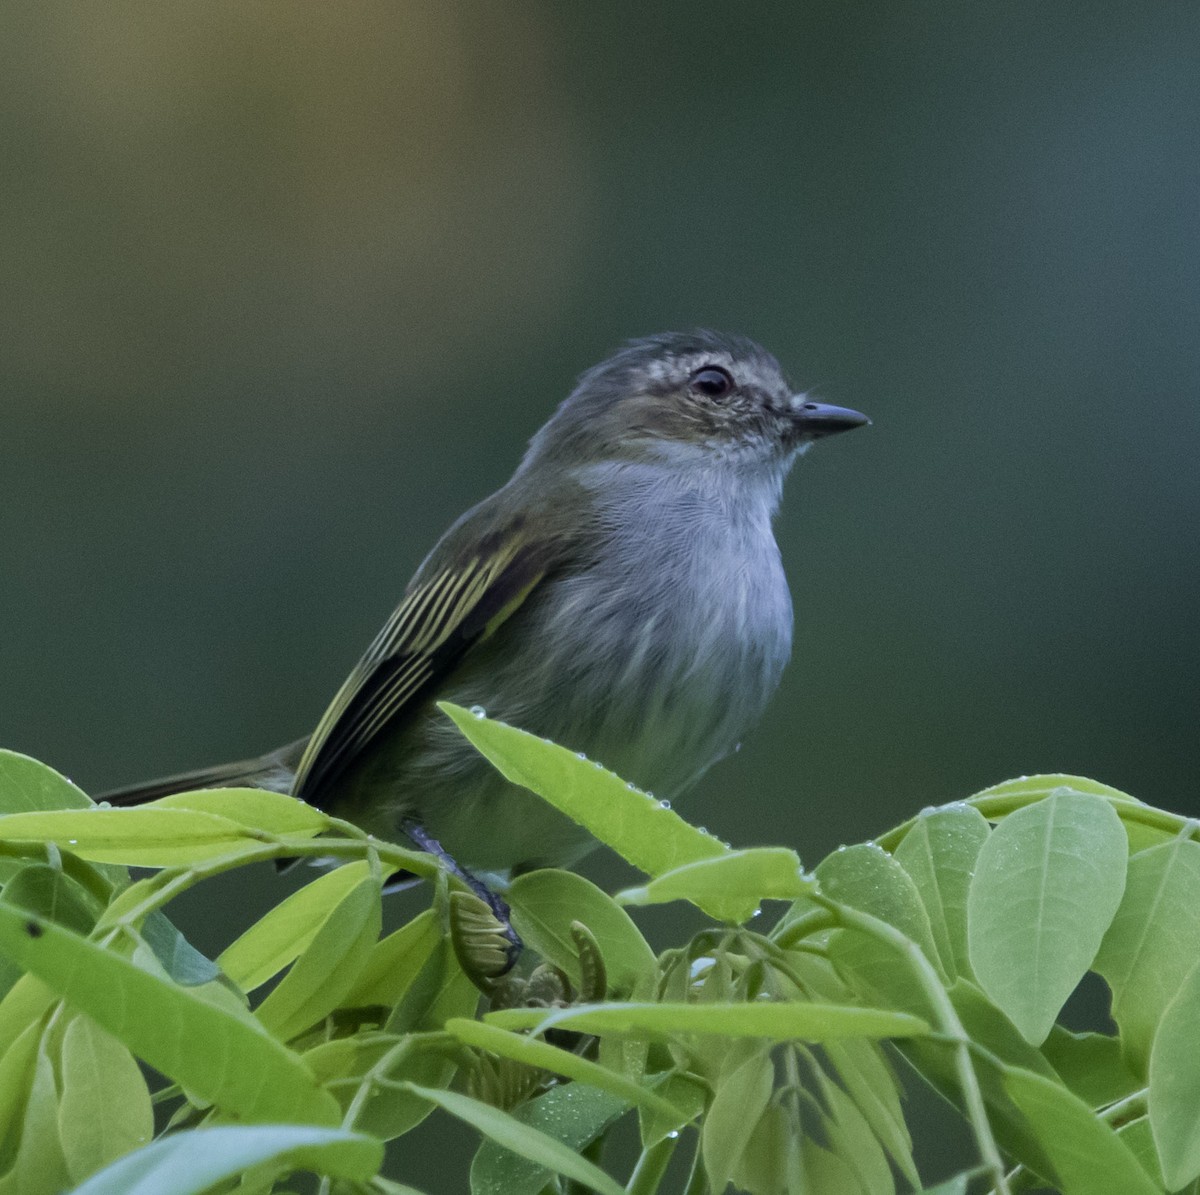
x=449, y=607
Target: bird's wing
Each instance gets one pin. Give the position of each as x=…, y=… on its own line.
x=450, y=606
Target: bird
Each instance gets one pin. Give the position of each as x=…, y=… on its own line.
x=622, y=595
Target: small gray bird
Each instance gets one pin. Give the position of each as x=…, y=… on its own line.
x=621, y=595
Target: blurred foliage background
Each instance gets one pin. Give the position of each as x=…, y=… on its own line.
x=287, y=286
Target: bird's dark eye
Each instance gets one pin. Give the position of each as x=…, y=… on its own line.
x=712, y=381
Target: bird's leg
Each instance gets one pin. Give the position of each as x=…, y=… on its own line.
x=500, y=910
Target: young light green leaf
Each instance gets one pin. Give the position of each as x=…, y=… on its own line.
x=850, y=1136
x=194, y=1162
x=286, y=931
x=952, y=1186
x=435, y=993
x=1091, y=1065
x=27, y=785
x=1047, y=883
x=104, y=1111
x=1139, y=1137
x=573, y=1115
x=939, y=853
x=779, y=1021
x=770, y=1163
x=179, y=958
x=40, y=1167
x=827, y=1172
x=1088, y=1157
x=520, y=1138
x=742, y=1094
x=868, y=879
x=142, y=837
x=394, y=962
x=1034, y=788
x=1174, y=1101
x=49, y=892
x=1152, y=942
x=537, y=1053
x=989, y=1028
x=256, y=808
x=686, y=1094
x=326, y=971
x=218, y=1056
x=16, y=1075
x=639, y=828
x=545, y=903
x=727, y=887
x=872, y=1086
x=23, y=1004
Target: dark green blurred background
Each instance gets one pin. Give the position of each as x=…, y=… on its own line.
x=287, y=286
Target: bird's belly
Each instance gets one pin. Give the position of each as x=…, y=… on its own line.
x=656, y=696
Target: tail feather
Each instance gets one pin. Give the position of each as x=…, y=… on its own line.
x=275, y=770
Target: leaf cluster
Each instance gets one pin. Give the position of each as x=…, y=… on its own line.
x=772, y=1059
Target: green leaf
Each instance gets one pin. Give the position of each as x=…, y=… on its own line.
x=640, y=829
x=545, y=903
x=23, y=1004
x=520, y=1138
x=436, y=993
x=851, y=1138
x=1048, y=881
x=326, y=971
x=16, y=1076
x=939, y=853
x=193, y=1162
x=1139, y=1138
x=1152, y=942
x=537, y=1053
x=572, y=1115
x=142, y=837
x=727, y=887
x=395, y=961
x=105, y=1108
x=28, y=785
x=687, y=1096
x=1088, y=1157
x=1034, y=788
x=952, y=1186
x=867, y=878
x=47, y=891
x=208, y=1050
x=771, y=1163
x=255, y=808
x=742, y=1094
x=872, y=1086
x=827, y=1173
x=179, y=958
x=779, y=1021
x=937, y=1062
x=1092, y=1065
x=1175, y=1084
x=40, y=1168
x=284, y=933
x=988, y=1027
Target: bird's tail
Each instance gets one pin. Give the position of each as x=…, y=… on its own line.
x=276, y=771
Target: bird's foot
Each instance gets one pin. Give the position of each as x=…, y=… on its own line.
x=498, y=906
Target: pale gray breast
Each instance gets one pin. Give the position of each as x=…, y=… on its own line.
x=657, y=657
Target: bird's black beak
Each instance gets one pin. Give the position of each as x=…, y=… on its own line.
x=816, y=419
